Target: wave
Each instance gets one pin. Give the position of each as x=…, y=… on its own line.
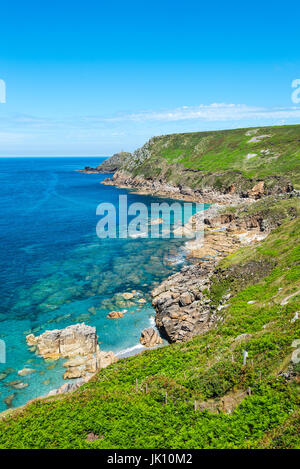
x=152, y=321
x=130, y=351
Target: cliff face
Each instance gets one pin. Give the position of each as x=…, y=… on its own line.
x=229, y=161
x=110, y=165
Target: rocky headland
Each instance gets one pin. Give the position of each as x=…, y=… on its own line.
x=110, y=165
x=192, y=166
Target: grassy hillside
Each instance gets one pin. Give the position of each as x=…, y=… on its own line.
x=221, y=157
x=126, y=405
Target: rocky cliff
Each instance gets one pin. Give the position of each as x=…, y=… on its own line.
x=241, y=162
x=183, y=302
x=110, y=165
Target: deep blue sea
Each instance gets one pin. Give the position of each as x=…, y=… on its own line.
x=55, y=271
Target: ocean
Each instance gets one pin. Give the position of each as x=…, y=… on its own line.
x=55, y=271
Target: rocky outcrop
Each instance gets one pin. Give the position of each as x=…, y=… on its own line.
x=77, y=342
x=257, y=191
x=150, y=338
x=233, y=222
x=106, y=358
x=78, y=339
x=296, y=353
x=90, y=364
x=182, y=304
x=110, y=165
x=182, y=307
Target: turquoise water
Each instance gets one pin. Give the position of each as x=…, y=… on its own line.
x=55, y=271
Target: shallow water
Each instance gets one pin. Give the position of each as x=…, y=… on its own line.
x=55, y=271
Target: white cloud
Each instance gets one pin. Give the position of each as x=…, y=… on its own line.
x=207, y=113
x=106, y=134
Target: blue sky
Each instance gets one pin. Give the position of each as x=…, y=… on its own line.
x=92, y=78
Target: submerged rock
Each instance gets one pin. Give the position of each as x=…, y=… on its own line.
x=16, y=384
x=3, y=376
x=142, y=301
x=127, y=296
x=26, y=371
x=20, y=385
x=8, y=400
x=115, y=315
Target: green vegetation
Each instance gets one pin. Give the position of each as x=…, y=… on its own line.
x=221, y=158
x=273, y=209
x=160, y=411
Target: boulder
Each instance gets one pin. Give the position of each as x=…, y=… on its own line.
x=181, y=307
x=296, y=354
x=186, y=298
x=150, y=338
x=20, y=385
x=105, y=359
x=31, y=340
x=243, y=338
x=115, y=315
x=79, y=361
x=75, y=372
